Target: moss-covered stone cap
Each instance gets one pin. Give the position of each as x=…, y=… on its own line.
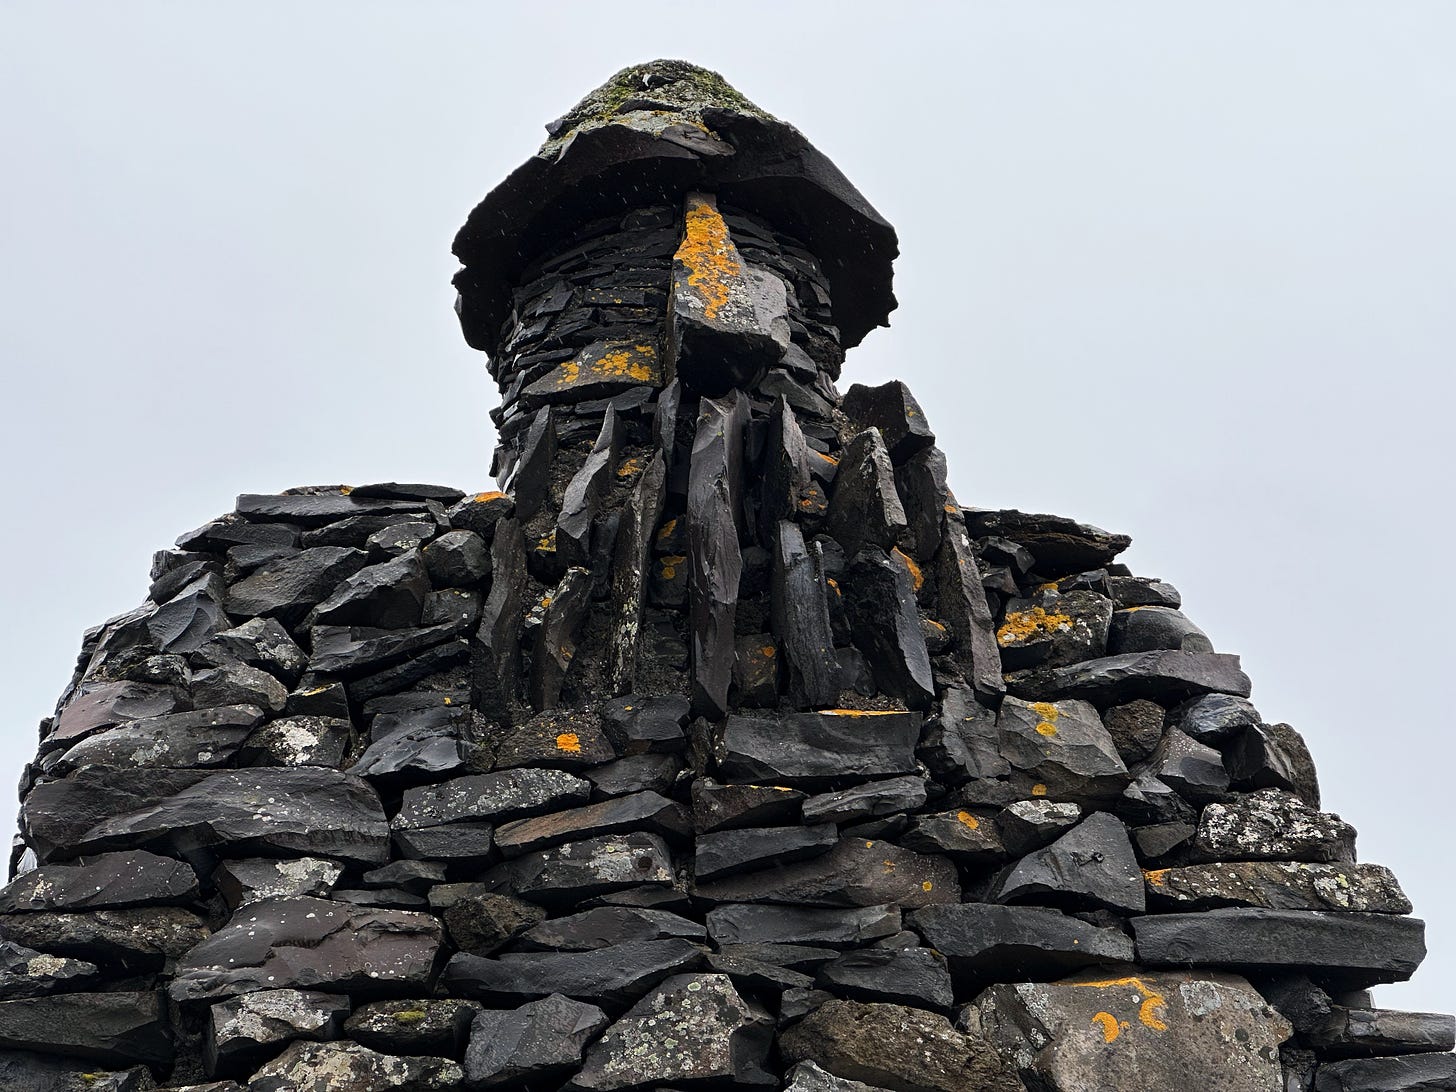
x=649, y=135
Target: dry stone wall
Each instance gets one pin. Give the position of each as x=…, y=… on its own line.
x=723, y=747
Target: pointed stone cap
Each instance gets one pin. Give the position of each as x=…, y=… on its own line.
x=648, y=136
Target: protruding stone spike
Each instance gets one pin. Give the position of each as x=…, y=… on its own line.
x=963, y=607
x=880, y=598
x=865, y=509
x=531, y=482
x=495, y=652
x=801, y=619
x=629, y=572
x=585, y=493
x=556, y=637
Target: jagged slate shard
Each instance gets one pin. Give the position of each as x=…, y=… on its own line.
x=389, y=595
x=107, y=704
x=207, y=737
x=879, y=597
x=809, y=1077
x=495, y=651
x=316, y=508
x=606, y=926
x=732, y=851
x=1411, y=1073
x=138, y=940
x=112, y=1028
x=538, y=1041
x=1053, y=630
x=727, y=321
x=983, y=941
x=856, y=872
x=108, y=881
x=921, y=484
x=1350, y=1032
x=786, y=488
x=556, y=636
x=865, y=509
x=312, y=944
x=497, y=797
x=1135, y=1030
x=245, y=1031
x=1351, y=950
x=1058, y=545
x=964, y=610
x=585, y=493
x=1272, y=825
x=531, y=483
x=801, y=617
x=629, y=572
x=715, y=561
x=566, y=874
x=690, y=1028
x=245, y=881
x=41, y=1073
x=731, y=807
x=841, y=928
x=1264, y=756
x=638, y=811
x=24, y=972
x=893, y=410
x=605, y=368
x=1063, y=748
x=304, y=810
x=349, y=1066
x=288, y=587
x=1161, y=676
x=897, y=1047
x=413, y=1026
x=1093, y=862
x=613, y=977
x=817, y=747
x=907, y=976
x=1278, y=885
x=868, y=801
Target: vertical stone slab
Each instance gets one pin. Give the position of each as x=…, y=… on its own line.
x=963, y=607
x=585, y=493
x=495, y=651
x=801, y=619
x=555, y=644
x=629, y=572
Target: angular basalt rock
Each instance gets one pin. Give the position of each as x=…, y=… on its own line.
x=134, y=940
x=745, y=850
x=119, y=1028
x=854, y=873
x=1272, y=825
x=349, y=1067
x=879, y=598
x=1094, y=861
x=1161, y=676
x=906, y=976
x=246, y=1030
x=496, y=797
x=1279, y=885
x=24, y=972
x=893, y=410
x=1348, y=1033
x=108, y=881
x=795, y=925
x=1063, y=748
x=1058, y=545
x=612, y=977
x=432, y=1026
x=251, y=880
x=809, y=747
x=865, y=509
x=1410, y=1073
x=289, y=587
x=607, y=926
x=982, y=941
x=537, y=1041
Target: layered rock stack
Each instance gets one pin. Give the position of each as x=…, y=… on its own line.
x=723, y=748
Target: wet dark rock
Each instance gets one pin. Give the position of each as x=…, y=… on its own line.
x=251, y=880
x=612, y=977
x=865, y=509
x=879, y=597
x=1161, y=676
x=895, y=1047
x=745, y=850
x=1264, y=756
x=389, y=595
x=1062, y=747
x=1031, y=824
x=1355, y=1033
x=112, y=1028
x=657, y=773
x=729, y=807
x=1058, y=544
x=960, y=741
x=1092, y=862
x=893, y=410
x=481, y=513
x=496, y=797
x=287, y=588
x=635, y=725
x=495, y=651
x=481, y=921
x=306, y=943
x=244, y=1031
x=457, y=559
x=715, y=560
x=134, y=939
x=422, y=1026
x=867, y=801
x=856, y=872
x=566, y=874
x=1143, y=591
x=816, y=747
x=963, y=608
x=105, y=705
x=644, y=811
x=1143, y=629
x=1411, y=1073
x=585, y=493
x=531, y=484
x=24, y=972
x=359, y=650
x=630, y=572
x=1053, y=630
x=349, y=1067
x=1135, y=728
x=1350, y=950
x=1192, y=769
x=316, y=508
x=985, y=942
x=1279, y=885
x=1272, y=825
x=969, y=837
x=421, y=744
x=787, y=490
x=1214, y=718
x=399, y=539
x=606, y=926
x=691, y=1028
x=467, y=845
x=908, y=976
x=565, y=740
x=238, y=686
x=540, y=1040
x=801, y=618
x=206, y=737
x=556, y=636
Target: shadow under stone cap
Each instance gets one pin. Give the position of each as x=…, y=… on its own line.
x=648, y=136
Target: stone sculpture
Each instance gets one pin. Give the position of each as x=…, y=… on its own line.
x=723, y=747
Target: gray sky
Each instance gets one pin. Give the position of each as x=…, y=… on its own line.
x=1184, y=271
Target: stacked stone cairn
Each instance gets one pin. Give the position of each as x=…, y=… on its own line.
x=722, y=749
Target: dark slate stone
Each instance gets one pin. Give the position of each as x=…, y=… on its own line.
x=644, y=811
x=439, y=1026
x=606, y=926
x=985, y=942
x=457, y=559
x=349, y=1066
x=857, y=872
x=1272, y=824
x=105, y=705
x=138, y=939
x=297, y=741
x=1091, y=863
x=303, y=810
x=715, y=561
x=786, y=488
x=961, y=741
x=630, y=567
x=399, y=539
x=360, y=650
x=800, y=925
x=464, y=844
x=638, y=724
x=1058, y=544
x=586, y=491
x=1279, y=885
x=729, y=807
x=24, y=972
x=260, y=643
x=111, y=1028
x=205, y=737
x=921, y=484
x=481, y=513
x=458, y=608
x=1143, y=629
x=244, y=1031
x=818, y=747
x=1143, y=591
x=238, y=685
x=450, y=656
x=541, y=1040
x=801, y=618
x=290, y=586
x=1031, y=824
x=897, y=1047
x=692, y=1028
x=531, y=483
x=57, y=814
x=1362, y=1033
x=568, y=740
x=612, y=977
x=496, y=797
x=1054, y=629
x=407, y=491
x=1063, y=748
x=421, y=745
x=304, y=943
x=809, y=1077
x=1265, y=756
x=636, y=773
x=251, y=880
x=315, y=509
x=865, y=509
x=970, y=837
x=1161, y=676
x=233, y=530
x=1411, y=1073
x=1135, y=728
x=963, y=608
x=414, y=877
x=481, y=921
x=495, y=651
x=389, y=595
x=871, y=800
x=319, y=697
x=556, y=628
x=908, y=976
x=893, y=410
x=566, y=874
x=104, y=882
x=734, y=851
x=879, y=596
x=1349, y=950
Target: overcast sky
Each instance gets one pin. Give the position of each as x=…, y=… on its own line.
x=1184, y=271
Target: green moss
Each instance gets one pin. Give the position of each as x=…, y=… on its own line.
x=410, y=1016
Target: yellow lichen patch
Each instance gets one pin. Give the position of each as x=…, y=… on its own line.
x=665, y=531
x=668, y=565
x=548, y=542
x=862, y=712
x=969, y=820
x=568, y=373
x=1110, y=1028
x=1038, y=789
x=1150, y=1000
x=768, y=652
x=346, y=489
x=927, y=886
x=1155, y=876
x=569, y=742
x=917, y=578
x=484, y=498
x=1045, y=709
x=711, y=258
x=1046, y=728
x=629, y=467
x=634, y=362
x=411, y=1016
x=1021, y=625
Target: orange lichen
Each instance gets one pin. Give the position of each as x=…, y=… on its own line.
x=1022, y=625
x=917, y=578
x=710, y=257
x=665, y=531
x=1151, y=1000
x=634, y=362
x=969, y=820
x=629, y=467
x=926, y=885
x=1155, y=876
x=1038, y=789
x=485, y=498
x=1110, y=1027
x=668, y=565
x=569, y=742
x=768, y=652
